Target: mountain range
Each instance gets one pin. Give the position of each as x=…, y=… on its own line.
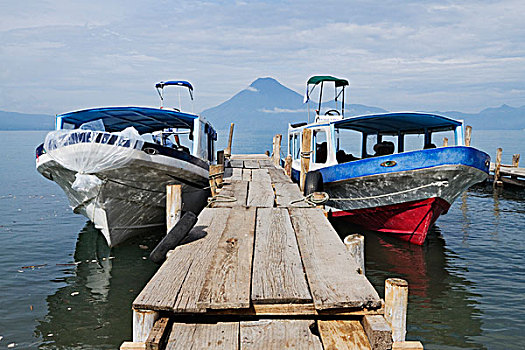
x=266, y=106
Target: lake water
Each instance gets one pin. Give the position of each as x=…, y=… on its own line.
x=467, y=283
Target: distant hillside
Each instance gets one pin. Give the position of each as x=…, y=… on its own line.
x=499, y=118
x=268, y=106
x=21, y=121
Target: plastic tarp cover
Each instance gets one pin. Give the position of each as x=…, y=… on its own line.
x=87, y=152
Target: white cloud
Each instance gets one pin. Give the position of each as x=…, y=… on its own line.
x=419, y=55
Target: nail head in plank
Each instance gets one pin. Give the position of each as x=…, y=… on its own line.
x=330, y=272
x=341, y=335
x=227, y=283
x=278, y=274
x=278, y=334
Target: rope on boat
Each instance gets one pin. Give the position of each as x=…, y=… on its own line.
x=312, y=200
x=437, y=183
x=217, y=199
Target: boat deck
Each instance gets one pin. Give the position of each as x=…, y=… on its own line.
x=264, y=271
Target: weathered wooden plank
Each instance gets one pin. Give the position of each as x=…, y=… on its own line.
x=130, y=345
x=162, y=290
x=292, y=310
x=236, y=163
x=289, y=195
x=233, y=194
x=189, y=292
x=257, y=156
x=261, y=175
x=236, y=174
x=227, y=282
x=222, y=335
x=407, y=345
x=260, y=194
x=247, y=174
x=266, y=163
x=278, y=334
x=341, y=335
x=329, y=269
x=158, y=336
x=378, y=332
x=278, y=275
x=251, y=164
x=278, y=175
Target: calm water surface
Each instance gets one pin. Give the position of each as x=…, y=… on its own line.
x=466, y=283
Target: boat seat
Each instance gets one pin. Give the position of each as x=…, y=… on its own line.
x=384, y=148
x=342, y=157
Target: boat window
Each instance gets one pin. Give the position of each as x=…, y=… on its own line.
x=438, y=137
x=414, y=142
x=348, y=145
x=297, y=146
x=68, y=126
x=371, y=141
x=321, y=147
x=290, y=144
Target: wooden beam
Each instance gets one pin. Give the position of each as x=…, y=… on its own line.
x=288, y=166
x=131, y=345
x=355, y=244
x=378, y=331
x=260, y=194
x=278, y=275
x=227, y=282
x=321, y=251
x=306, y=144
x=278, y=334
x=220, y=336
x=158, y=336
x=407, y=345
x=228, y=150
x=343, y=335
x=497, y=175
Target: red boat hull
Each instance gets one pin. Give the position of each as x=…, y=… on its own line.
x=408, y=221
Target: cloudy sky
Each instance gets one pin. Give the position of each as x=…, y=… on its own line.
x=61, y=55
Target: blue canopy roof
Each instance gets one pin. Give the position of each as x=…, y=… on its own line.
x=143, y=119
x=392, y=123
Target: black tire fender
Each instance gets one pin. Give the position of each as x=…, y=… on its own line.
x=313, y=182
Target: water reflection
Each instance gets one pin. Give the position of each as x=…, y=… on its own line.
x=443, y=312
x=93, y=309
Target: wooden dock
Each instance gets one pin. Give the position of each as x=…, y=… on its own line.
x=263, y=270
x=509, y=174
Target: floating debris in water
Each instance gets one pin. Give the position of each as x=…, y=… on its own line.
x=70, y=264
x=34, y=266
x=1, y=337
x=75, y=293
x=50, y=335
x=142, y=246
x=111, y=258
x=68, y=309
x=144, y=257
x=94, y=261
x=12, y=345
x=31, y=307
x=103, y=259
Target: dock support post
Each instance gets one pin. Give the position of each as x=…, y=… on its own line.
x=173, y=205
x=143, y=321
x=306, y=144
x=228, y=150
x=468, y=135
x=445, y=142
x=288, y=165
x=356, y=247
x=276, y=156
x=216, y=175
x=497, y=168
x=220, y=157
x=396, y=303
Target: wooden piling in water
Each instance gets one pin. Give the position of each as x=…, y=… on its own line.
x=497, y=169
x=445, y=142
x=173, y=205
x=288, y=165
x=396, y=303
x=306, y=144
x=468, y=135
x=356, y=248
x=276, y=156
x=228, y=149
x=143, y=321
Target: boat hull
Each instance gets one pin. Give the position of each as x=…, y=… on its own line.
x=405, y=204
x=130, y=199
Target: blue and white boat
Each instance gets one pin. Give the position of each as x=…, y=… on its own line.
x=114, y=163
x=382, y=171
